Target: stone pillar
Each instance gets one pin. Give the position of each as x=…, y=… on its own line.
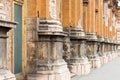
x=99, y=29
x=66, y=19
x=78, y=63
x=48, y=62
x=85, y=14
x=5, y=26
x=91, y=36
x=106, y=15
x=110, y=30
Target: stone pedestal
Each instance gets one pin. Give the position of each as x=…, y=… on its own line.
x=92, y=47
x=59, y=71
x=80, y=66
x=78, y=63
x=5, y=26
x=50, y=64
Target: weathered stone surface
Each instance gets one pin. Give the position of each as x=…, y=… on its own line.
x=6, y=75
x=59, y=72
x=5, y=26
x=81, y=68
x=2, y=52
x=92, y=54
x=45, y=51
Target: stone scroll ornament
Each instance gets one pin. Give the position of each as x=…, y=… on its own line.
x=52, y=9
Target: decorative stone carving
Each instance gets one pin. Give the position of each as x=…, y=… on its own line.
x=2, y=12
x=92, y=54
x=66, y=48
x=88, y=50
x=52, y=9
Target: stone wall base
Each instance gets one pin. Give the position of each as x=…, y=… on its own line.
x=59, y=72
x=104, y=59
x=109, y=55
x=52, y=76
x=80, y=68
x=95, y=62
x=114, y=54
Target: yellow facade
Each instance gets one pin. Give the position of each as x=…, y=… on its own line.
x=70, y=13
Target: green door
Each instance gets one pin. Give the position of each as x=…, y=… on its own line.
x=18, y=39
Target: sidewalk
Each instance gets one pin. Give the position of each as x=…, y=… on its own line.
x=109, y=71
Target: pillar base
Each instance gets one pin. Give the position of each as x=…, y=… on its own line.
x=104, y=59
x=59, y=71
x=80, y=67
x=113, y=54
x=6, y=75
x=95, y=61
x=109, y=55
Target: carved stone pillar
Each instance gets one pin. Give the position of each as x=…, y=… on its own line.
x=78, y=62
x=48, y=58
x=92, y=37
x=5, y=26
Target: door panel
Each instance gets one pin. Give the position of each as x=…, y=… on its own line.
x=18, y=39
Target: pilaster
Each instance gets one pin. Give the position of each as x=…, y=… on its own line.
x=47, y=60
x=92, y=36
x=78, y=63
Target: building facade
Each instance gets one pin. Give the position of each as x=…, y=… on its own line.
x=58, y=39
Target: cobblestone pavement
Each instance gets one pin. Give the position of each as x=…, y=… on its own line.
x=109, y=71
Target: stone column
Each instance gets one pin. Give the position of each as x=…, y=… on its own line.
x=78, y=62
x=110, y=30
x=99, y=29
x=48, y=62
x=91, y=36
x=114, y=34
x=106, y=15
x=66, y=19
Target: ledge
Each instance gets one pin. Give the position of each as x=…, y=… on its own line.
x=7, y=24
